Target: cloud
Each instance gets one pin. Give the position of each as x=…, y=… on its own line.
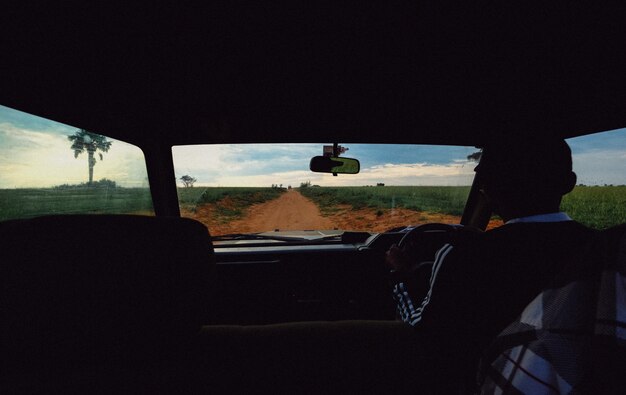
x=287, y=164
x=600, y=158
x=390, y=174
x=596, y=163
x=35, y=152
x=413, y=174
x=241, y=158
x=600, y=166
x=41, y=158
x=18, y=139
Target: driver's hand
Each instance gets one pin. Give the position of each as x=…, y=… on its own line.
x=397, y=259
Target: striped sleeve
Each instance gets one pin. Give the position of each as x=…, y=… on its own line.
x=404, y=301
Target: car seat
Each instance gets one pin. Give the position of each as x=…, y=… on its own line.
x=100, y=303
x=571, y=338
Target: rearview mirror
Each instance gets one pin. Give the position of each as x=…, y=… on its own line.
x=336, y=165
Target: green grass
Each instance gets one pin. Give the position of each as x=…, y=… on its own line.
x=597, y=207
x=32, y=202
x=230, y=202
x=445, y=200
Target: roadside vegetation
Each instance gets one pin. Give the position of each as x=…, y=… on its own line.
x=442, y=200
x=228, y=202
x=78, y=199
x=598, y=207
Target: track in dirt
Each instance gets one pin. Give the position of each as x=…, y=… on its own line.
x=292, y=211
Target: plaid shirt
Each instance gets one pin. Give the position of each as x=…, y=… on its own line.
x=570, y=339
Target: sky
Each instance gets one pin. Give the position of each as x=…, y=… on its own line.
x=288, y=164
x=35, y=152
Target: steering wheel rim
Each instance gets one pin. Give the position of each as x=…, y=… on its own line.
x=415, y=233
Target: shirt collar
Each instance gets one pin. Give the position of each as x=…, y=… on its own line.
x=552, y=217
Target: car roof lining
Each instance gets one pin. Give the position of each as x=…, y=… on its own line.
x=411, y=74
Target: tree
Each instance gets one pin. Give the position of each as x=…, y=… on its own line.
x=84, y=140
x=188, y=181
x=475, y=156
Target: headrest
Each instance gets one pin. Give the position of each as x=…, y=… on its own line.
x=86, y=285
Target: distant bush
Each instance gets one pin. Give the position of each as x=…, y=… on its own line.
x=104, y=183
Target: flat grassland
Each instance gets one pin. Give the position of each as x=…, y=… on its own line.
x=380, y=208
x=442, y=200
x=33, y=202
x=596, y=206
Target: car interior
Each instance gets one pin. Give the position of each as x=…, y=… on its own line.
x=121, y=303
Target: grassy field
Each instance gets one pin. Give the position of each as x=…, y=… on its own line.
x=230, y=202
x=444, y=200
x=32, y=202
x=597, y=207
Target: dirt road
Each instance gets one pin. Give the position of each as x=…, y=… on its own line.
x=292, y=211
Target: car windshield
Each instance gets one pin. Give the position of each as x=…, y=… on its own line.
x=266, y=191
x=242, y=188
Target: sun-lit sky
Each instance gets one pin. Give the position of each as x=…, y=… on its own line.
x=35, y=152
x=288, y=164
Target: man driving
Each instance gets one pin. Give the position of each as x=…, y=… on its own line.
x=482, y=282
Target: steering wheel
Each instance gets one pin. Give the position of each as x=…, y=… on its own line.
x=411, y=260
x=436, y=231
x=420, y=244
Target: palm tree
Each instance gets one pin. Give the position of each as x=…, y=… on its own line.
x=84, y=140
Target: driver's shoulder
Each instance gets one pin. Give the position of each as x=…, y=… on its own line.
x=528, y=241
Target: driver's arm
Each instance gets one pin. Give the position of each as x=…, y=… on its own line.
x=411, y=306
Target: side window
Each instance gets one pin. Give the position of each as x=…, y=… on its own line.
x=50, y=168
x=599, y=198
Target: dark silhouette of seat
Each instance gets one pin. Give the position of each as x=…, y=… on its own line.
x=94, y=303
x=571, y=338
